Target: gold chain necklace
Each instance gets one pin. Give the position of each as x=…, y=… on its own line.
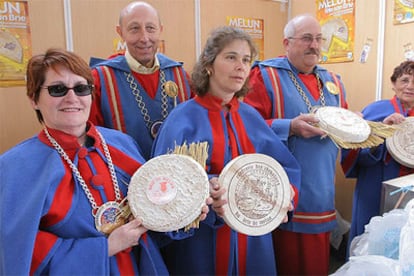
x=153, y=126
x=302, y=93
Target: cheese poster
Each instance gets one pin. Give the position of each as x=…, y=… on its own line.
x=403, y=11
x=15, y=42
x=337, y=19
x=252, y=26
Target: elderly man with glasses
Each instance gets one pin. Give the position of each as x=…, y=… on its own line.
x=285, y=90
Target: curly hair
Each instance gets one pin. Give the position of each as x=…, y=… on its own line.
x=218, y=40
x=406, y=67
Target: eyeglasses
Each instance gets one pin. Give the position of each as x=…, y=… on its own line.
x=60, y=90
x=308, y=39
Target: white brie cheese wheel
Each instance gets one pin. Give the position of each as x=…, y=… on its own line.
x=343, y=123
x=335, y=27
x=10, y=47
x=168, y=192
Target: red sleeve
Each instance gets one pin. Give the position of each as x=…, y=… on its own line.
x=257, y=95
x=95, y=115
x=43, y=244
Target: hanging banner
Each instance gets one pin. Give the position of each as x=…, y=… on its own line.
x=337, y=19
x=252, y=26
x=15, y=42
x=403, y=11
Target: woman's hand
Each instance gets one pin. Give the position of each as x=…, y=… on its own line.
x=205, y=209
x=291, y=207
x=216, y=193
x=394, y=119
x=125, y=236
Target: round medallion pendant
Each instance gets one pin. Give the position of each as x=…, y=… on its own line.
x=171, y=89
x=106, y=218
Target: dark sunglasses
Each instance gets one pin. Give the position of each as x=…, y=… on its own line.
x=60, y=90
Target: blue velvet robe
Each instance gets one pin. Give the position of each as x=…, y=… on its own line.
x=120, y=110
x=215, y=248
x=47, y=225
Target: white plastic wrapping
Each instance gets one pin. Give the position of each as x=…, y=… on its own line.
x=369, y=265
x=407, y=243
x=385, y=232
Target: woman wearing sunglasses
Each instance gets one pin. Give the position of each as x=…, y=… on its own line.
x=60, y=190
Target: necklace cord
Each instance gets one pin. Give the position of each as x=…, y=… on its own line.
x=79, y=177
x=302, y=93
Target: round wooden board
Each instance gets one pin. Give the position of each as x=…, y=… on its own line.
x=401, y=144
x=258, y=194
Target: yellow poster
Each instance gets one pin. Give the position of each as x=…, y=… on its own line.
x=15, y=42
x=252, y=26
x=337, y=19
x=403, y=11
x=119, y=46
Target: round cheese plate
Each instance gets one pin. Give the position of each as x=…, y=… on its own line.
x=343, y=123
x=168, y=192
x=401, y=144
x=257, y=192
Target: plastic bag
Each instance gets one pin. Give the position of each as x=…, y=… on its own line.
x=384, y=234
x=369, y=265
x=407, y=242
x=337, y=234
x=381, y=236
x=359, y=245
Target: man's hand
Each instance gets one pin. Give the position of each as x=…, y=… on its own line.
x=303, y=125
